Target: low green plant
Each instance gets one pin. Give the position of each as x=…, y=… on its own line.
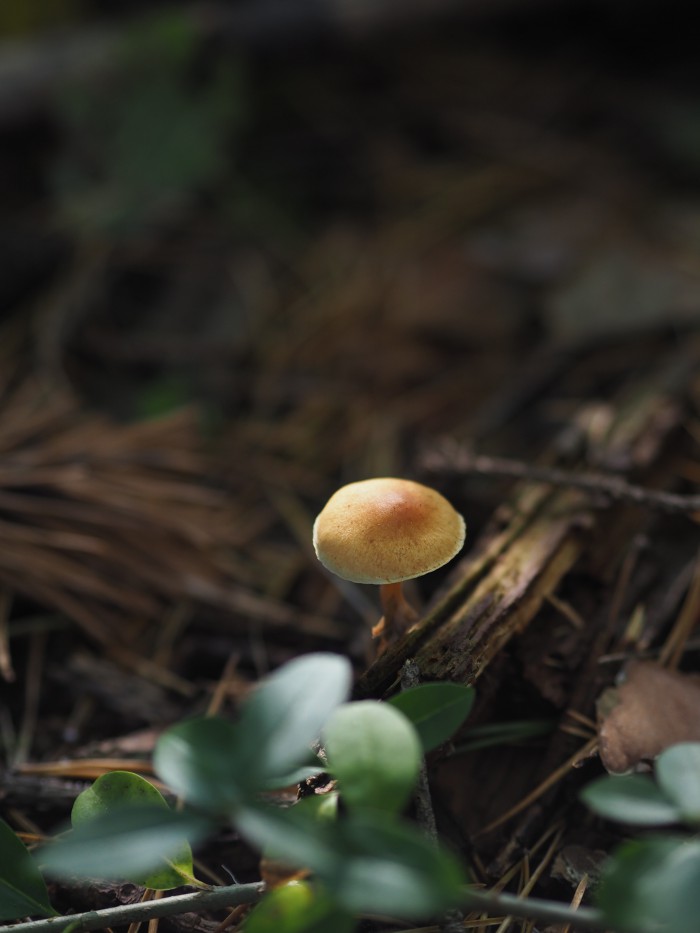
x=652, y=884
x=363, y=856
x=350, y=850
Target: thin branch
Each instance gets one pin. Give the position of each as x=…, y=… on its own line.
x=458, y=459
x=215, y=899
x=584, y=918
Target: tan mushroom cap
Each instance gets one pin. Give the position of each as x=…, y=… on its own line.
x=387, y=530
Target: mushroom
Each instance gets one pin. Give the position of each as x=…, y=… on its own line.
x=385, y=531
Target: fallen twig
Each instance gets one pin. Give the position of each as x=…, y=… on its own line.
x=584, y=917
x=454, y=458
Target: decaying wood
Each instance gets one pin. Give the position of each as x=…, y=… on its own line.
x=533, y=543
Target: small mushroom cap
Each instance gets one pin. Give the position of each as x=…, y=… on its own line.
x=387, y=530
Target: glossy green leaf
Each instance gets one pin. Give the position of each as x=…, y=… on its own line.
x=126, y=843
x=653, y=886
x=22, y=889
x=298, y=907
x=200, y=760
x=215, y=764
x=119, y=789
x=375, y=754
x=435, y=710
x=678, y=776
x=371, y=862
x=632, y=798
x=286, y=712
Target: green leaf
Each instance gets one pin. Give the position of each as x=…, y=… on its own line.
x=118, y=789
x=321, y=806
x=295, y=835
x=298, y=907
x=375, y=754
x=678, y=775
x=286, y=712
x=653, y=886
x=502, y=733
x=199, y=760
x=435, y=710
x=22, y=889
x=128, y=842
x=372, y=862
x=388, y=867
x=630, y=798
x=216, y=765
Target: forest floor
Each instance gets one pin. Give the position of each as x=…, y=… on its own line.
x=239, y=274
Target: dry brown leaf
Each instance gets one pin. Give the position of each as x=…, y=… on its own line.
x=652, y=709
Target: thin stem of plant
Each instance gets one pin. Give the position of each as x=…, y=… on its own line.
x=585, y=918
x=215, y=899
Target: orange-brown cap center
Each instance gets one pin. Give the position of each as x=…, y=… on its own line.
x=386, y=530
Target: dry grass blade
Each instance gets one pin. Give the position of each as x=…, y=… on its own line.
x=87, y=768
x=577, y=898
x=532, y=880
x=110, y=522
x=542, y=788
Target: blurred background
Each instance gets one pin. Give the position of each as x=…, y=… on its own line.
x=252, y=250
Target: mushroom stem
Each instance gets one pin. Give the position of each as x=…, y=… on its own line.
x=399, y=616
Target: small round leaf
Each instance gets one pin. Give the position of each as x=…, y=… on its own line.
x=130, y=842
x=653, y=886
x=109, y=794
x=678, y=774
x=375, y=754
x=298, y=907
x=630, y=798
